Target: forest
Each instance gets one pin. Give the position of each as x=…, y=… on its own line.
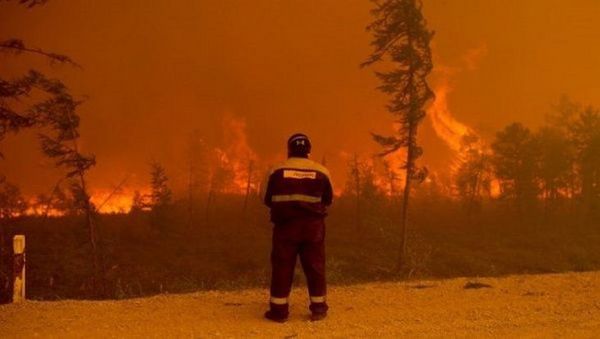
x=527, y=203
x=526, y=200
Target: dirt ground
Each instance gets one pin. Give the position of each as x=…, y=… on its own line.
x=556, y=305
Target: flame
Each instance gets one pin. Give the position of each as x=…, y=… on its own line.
x=237, y=156
x=450, y=130
x=111, y=201
x=386, y=172
x=446, y=126
x=34, y=209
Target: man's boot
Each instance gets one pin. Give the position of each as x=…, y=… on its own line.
x=319, y=311
x=277, y=313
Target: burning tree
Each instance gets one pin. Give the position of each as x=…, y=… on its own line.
x=515, y=164
x=401, y=35
x=473, y=176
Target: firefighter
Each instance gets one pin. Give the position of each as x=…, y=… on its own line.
x=298, y=193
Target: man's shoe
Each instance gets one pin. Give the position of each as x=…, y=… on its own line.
x=276, y=317
x=316, y=316
x=318, y=310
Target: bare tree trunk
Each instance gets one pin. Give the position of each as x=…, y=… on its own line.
x=405, y=205
x=92, y=233
x=98, y=269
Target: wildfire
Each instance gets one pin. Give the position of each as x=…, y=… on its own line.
x=111, y=201
x=453, y=132
x=235, y=165
x=237, y=157
x=450, y=130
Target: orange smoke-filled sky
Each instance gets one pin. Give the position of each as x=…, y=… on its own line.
x=153, y=71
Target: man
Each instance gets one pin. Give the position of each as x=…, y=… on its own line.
x=298, y=193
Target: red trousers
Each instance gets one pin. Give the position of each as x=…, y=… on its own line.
x=306, y=239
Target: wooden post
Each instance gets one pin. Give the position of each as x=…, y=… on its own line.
x=19, y=268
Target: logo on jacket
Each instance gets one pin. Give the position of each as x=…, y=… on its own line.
x=293, y=174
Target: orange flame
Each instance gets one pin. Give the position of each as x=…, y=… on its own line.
x=450, y=130
x=237, y=156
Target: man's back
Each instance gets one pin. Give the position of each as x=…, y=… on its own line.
x=298, y=188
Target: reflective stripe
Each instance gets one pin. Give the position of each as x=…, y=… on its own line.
x=279, y=301
x=317, y=299
x=295, y=197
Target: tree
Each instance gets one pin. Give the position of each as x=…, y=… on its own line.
x=400, y=33
x=15, y=116
x=138, y=202
x=56, y=114
x=221, y=175
x=555, y=163
x=585, y=134
x=514, y=160
x=474, y=174
x=361, y=187
x=12, y=203
x=59, y=117
x=391, y=176
x=161, y=194
x=354, y=187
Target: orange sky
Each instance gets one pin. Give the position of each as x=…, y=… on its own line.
x=155, y=70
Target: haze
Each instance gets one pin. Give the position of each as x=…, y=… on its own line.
x=153, y=71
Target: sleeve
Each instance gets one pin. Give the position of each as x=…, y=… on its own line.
x=328, y=193
x=269, y=191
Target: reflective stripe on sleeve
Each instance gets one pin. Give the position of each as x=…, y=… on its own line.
x=279, y=301
x=317, y=299
x=295, y=197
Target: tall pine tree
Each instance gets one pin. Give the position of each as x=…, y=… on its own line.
x=401, y=40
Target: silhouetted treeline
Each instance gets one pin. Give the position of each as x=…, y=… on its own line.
x=527, y=202
x=144, y=253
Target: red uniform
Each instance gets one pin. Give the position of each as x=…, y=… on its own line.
x=298, y=193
